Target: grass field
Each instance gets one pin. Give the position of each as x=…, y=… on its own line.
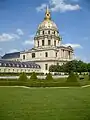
x=44, y=103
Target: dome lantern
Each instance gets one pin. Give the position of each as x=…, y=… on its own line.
x=47, y=23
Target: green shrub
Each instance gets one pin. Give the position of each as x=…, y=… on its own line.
x=49, y=76
x=23, y=77
x=33, y=76
x=72, y=78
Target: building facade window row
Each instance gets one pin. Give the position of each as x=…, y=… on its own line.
x=43, y=44
x=17, y=70
x=47, y=32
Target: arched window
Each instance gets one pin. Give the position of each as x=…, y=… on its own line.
x=49, y=42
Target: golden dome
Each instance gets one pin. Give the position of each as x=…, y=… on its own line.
x=47, y=23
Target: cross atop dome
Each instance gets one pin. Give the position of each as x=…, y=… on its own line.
x=47, y=14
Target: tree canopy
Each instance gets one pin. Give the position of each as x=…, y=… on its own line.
x=75, y=66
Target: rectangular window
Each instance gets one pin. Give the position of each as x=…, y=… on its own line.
x=48, y=32
x=69, y=54
x=46, y=54
x=56, y=54
x=43, y=32
x=49, y=42
x=55, y=43
x=46, y=66
x=33, y=55
x=42, y=42
x=38, y=43
x=23, y=57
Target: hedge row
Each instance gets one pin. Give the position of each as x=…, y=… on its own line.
x=72, y=80
x=38, y=84
x=18, y=74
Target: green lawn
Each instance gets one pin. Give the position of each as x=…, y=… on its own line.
x=44, y=104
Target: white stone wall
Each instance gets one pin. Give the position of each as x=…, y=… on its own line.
x=39, y=55
x=42, y=64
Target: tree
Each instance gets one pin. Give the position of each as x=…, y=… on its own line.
x=52, y=68
x=55, y=68
x=88, y=68
x=75, y=66
x=69, y=67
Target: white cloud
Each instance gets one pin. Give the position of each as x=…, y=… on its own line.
x=59, y=5
x=19, y=32
x=75, y=0
x=42, y=7
x=28, y=42
x=13, y=50
x=74, y=46
x=8, y=37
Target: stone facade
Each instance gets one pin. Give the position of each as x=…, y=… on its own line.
x=48, y=49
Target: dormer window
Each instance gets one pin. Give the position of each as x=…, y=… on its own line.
x=4, y=64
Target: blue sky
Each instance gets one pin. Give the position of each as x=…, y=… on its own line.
x=19, y=20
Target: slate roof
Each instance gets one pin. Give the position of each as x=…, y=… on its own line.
x=11, y=55
x=5, y=63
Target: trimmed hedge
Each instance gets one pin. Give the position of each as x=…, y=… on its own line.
x=33, y=76
x=49, y=77
x=23, y=77
x=72, y=78
x=17, y=74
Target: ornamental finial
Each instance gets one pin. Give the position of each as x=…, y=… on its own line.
x=47, y=14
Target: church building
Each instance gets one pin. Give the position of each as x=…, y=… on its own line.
x=48, y=49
